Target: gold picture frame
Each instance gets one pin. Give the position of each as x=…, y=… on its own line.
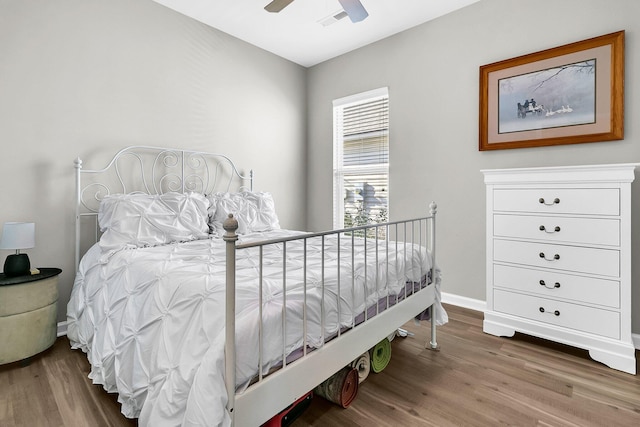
x=565, y=95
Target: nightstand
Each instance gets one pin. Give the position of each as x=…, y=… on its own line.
x=28, y=314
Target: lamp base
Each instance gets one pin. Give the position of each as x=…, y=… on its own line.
x=17, y=265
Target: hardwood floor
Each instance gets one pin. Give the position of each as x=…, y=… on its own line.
x=53, y=390
x=474, y=380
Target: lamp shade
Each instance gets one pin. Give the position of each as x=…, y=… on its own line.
x=18, y=235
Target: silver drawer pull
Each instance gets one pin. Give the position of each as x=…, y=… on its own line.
x=555, y=201
x=555, y=257
x=556, y=312
x=555, y=285
x=556, y=229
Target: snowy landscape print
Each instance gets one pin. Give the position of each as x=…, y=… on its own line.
x=554, y=97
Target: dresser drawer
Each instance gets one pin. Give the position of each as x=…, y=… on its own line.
x=594, y=231
x=552, y=284
x=604, y=262
x=579, y=317
x=586, y=201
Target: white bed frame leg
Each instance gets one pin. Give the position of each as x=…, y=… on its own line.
x=230, y=237
x=433, y=209
x=433, y=343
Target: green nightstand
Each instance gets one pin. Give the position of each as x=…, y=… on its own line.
x=28, y=314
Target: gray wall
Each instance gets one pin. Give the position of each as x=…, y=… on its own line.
x=86, y=78
x=432, y=75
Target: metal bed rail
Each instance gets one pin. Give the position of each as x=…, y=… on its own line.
x=418, y=231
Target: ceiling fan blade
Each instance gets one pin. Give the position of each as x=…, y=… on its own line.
x=277, y=5
x=354, y=9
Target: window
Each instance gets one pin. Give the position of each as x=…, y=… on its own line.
x=361, y=159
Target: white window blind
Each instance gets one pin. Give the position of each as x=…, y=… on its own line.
x=361, y=159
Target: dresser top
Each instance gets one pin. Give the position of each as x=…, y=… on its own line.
x=617, y=172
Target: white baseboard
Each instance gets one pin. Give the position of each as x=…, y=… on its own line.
x=470, y=303
x=62, y=329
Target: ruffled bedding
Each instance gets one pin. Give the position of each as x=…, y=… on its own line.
x=151, y=319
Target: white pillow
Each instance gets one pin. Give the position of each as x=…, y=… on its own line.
x=139, y=220
x=254, y=211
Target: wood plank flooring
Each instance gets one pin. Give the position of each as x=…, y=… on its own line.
x=474, y=380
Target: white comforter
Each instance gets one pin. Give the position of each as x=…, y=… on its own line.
x=151, y=320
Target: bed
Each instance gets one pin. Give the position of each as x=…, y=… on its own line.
x=197, y=308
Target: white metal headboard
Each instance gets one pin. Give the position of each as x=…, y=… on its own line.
x=151, y=170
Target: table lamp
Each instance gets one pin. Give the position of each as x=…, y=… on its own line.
x=17, y=235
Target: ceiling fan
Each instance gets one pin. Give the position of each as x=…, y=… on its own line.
x=353, y=8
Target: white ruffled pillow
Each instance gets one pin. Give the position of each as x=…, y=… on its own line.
x=254, y=211
x=140, y=220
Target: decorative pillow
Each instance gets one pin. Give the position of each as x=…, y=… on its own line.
x=254, y=211
x=139, y=220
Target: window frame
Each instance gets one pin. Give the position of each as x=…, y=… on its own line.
x=338, y=150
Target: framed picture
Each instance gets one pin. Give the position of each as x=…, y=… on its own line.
x=565, y=95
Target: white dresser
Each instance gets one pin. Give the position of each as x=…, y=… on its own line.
x=559, y=257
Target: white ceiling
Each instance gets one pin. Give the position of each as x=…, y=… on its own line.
x=296, y=34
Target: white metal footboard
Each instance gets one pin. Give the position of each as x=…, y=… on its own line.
x=272, y=393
